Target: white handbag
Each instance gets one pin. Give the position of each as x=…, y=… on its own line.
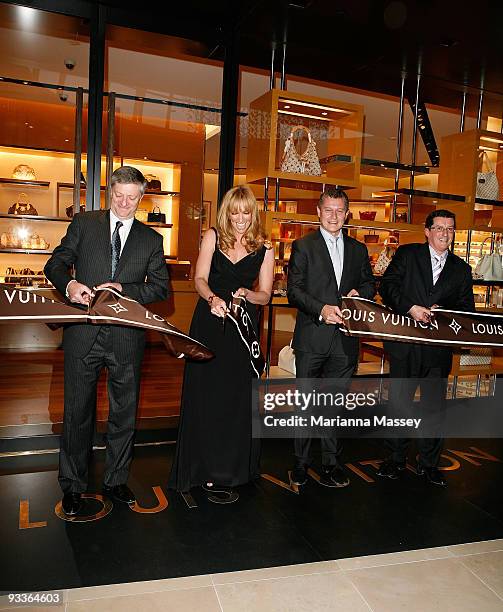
x=385, y=256
x=489, y=266
x=286, y=359
x=487, y=182
x=305, y=163
x=476, y=356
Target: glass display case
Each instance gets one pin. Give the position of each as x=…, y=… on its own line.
x=293, y=137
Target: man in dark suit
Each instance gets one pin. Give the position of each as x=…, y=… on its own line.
x=419, y=278
x=324, y=266
x=107, y=248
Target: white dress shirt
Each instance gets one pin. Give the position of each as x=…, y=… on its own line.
x=335, y=246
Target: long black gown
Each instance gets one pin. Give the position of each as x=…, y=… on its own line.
x=214, y=436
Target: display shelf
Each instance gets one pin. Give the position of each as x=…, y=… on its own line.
x=33, y=218
x=421, y=193
x=28, y=251
x=103, y=188
x=489, y=202
x=365, y=161
x=22, y=183
x=161, y=225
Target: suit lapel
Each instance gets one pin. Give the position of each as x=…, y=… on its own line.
x=425, y=266
x=102, y=244
x=446, y=272
x=326, y=260
x=348, y=254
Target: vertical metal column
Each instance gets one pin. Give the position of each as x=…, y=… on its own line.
x=463, y=113
x=230, y=90
x=272, y=79
x=282, y=86
x=77, y=163
x=481, y=98
x=399, y=145
x=95, y=107
x=414, y=139
x=110, y=144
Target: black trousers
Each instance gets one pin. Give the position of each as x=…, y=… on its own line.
x=334, y=365
x=81, y=378
x=406, y=376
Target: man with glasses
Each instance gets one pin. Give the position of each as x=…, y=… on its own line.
x=420, y=278
x=107, y=248
x=324, y=266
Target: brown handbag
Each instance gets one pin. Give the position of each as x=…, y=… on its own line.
x=22, y=206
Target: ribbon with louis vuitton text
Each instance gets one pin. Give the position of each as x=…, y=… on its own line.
x=448, y=327
x=238, y=314
x=108, y=307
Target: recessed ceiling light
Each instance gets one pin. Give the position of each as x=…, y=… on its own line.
x=67, y=140
x=324, y=113
x=286, y=106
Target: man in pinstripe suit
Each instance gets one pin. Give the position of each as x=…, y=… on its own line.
x=107, y=249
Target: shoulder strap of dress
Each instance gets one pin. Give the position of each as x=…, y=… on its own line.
x=216, y=236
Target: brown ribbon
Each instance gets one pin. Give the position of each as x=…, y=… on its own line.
x=108, y=307
x=448, y=327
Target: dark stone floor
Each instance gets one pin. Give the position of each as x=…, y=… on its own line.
x=268, y=526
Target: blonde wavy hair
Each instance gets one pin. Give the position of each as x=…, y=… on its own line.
x=237, y=199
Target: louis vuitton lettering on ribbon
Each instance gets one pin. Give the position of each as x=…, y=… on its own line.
x=108, y=307
x=448, y=327
x=239, y=316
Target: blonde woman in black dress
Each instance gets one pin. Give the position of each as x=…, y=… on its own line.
x=215, y=448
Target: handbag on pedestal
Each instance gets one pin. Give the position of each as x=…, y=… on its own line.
x=296, y=163
x=487, y=182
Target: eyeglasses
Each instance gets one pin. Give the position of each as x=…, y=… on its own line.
x=440, y=229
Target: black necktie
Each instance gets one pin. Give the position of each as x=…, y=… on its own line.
x=116, y=247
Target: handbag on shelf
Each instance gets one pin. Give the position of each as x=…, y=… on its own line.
x=386, y=255
x=476, y=357
x=11, y=277
x=156, y=216
x=23, y=172
x=489, y=266
x=22, y=206
x=367, y=215
x=286, y=359
x=141, y=214
x=487, y=182
x=69, y=210
x=153, y=182
x=306, y=163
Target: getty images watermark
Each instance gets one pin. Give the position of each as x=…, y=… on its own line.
x=367, y=407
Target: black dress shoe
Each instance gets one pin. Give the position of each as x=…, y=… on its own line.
x=298, y=476
x=121, y=493
x=432, y=475
x=72, y=503
x=390, y=469
x=333, y=476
